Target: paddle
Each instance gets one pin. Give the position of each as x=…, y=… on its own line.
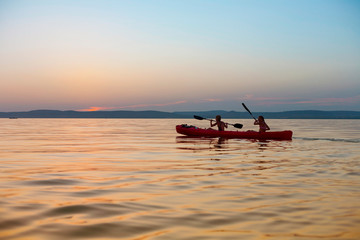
x=248, y=110
x=237, y=125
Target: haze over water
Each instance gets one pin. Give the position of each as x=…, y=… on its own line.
x=139, y=179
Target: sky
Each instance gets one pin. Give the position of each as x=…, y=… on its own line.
x=179, y=55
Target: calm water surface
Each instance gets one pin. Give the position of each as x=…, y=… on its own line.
x=138, y=179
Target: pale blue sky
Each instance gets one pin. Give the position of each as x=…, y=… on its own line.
x=180, y=55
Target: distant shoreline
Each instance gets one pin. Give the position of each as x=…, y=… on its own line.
x=302, y=114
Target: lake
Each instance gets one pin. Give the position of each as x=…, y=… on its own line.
x=138, y=179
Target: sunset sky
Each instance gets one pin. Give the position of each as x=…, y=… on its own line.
x=175, y=55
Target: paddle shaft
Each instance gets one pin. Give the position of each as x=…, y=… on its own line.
x=248, y=110
x=237, y=125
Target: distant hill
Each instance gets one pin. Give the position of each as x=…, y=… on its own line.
x=309, y=114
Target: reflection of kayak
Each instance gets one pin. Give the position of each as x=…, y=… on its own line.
x=202, y=132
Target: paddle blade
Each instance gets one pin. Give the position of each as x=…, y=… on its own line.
x=198, y=117
x=238, y=125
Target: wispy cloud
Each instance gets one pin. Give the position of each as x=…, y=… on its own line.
x=299, y=101
x=152, y=105
x=92, y=109
x=269, y=100
x=330, y=101
x=212, y=100
x=251, y=97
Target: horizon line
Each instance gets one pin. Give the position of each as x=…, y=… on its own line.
x=152, y=110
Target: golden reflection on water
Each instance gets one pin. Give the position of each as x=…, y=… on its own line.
x=138, y=179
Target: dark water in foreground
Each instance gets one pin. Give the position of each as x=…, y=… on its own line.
x=138, y=179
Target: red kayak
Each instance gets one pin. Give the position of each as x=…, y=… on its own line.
x=202, y=132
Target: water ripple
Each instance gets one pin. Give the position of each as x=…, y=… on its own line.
x=136, y=179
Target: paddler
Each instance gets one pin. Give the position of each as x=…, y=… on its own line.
x=263, y=127
x=220, y=124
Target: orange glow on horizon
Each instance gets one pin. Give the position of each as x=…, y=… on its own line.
x=94, y=109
